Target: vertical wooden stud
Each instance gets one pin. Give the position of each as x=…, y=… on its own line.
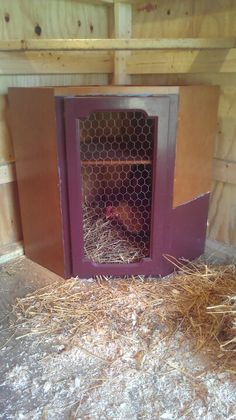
x=122, y=29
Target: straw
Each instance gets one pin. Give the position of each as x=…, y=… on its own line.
x=106, y=243
x=200, y=300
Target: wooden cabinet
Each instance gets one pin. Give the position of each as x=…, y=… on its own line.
x=113, y=179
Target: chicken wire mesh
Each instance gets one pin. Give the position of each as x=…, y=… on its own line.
x=116, y=151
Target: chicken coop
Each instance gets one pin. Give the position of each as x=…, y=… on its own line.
x=124, y=186
x=117, y=135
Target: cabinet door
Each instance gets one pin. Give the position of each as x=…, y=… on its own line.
x=119, y=182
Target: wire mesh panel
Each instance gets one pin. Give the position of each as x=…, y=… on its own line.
x=116, y=150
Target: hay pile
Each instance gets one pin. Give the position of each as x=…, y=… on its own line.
x=104, y=243
x=199, y=300
x=227, y=309
x=193, y=298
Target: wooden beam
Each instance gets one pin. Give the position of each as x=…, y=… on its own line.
x=109, y=2
x=123, y=30
x=45, y=62
x=7, y=173
x=184, y=61
x=224, y=171
x=100, y=2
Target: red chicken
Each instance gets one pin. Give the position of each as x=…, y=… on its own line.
x=131, y=218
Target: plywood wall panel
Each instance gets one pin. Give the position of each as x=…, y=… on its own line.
x=214, y=18
x=163, y=19
x=60, y=62
x=222, y=215
x=184, y=61
x=185, y=18
x=226, y=134
x=32, y=80
x=52, y=19
x=6, y=147
x=185, y=79
x=10, y=225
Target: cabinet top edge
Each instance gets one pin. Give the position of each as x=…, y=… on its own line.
x=114, y=90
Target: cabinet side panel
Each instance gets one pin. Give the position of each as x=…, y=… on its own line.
x=197, y=119
x=34, y=137
x=189, y=224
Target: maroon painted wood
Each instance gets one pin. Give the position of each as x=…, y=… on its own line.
x=188, y=227
x=63, y=184
x=159, y=108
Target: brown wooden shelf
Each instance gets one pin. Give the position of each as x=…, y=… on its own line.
x=115, y=162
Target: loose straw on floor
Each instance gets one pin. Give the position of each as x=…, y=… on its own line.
x=199, y=298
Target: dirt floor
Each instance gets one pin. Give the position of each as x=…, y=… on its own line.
x=46, y=377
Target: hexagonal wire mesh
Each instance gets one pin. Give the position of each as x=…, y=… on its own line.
x=116, y=157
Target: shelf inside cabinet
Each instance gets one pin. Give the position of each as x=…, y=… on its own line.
x=115, y=162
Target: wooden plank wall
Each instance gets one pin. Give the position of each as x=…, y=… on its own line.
x=22, y=19
x=200, y=18
x=46, y=19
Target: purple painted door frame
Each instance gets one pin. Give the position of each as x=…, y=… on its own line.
x=164, y=109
